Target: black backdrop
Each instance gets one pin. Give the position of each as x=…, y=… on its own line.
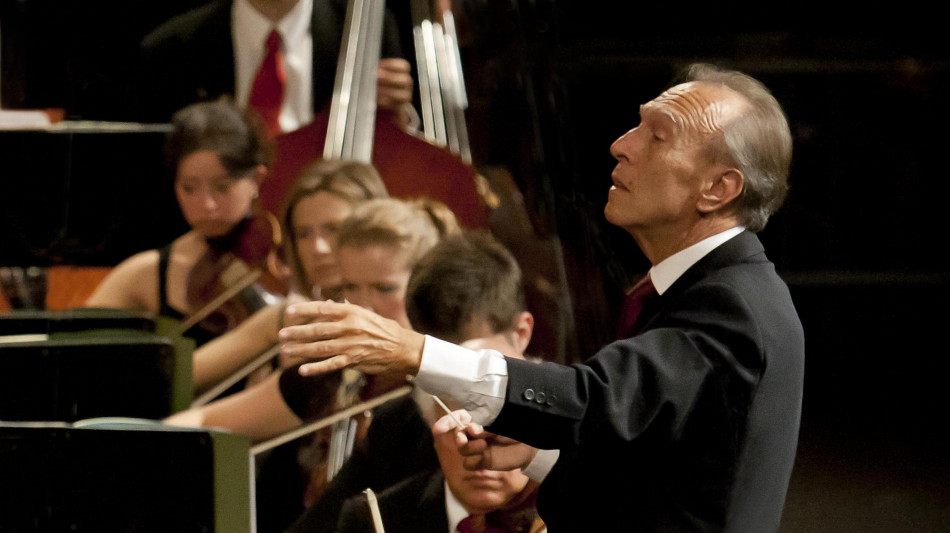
x=860, y=239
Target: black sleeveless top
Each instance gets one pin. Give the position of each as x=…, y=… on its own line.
x=196, y=332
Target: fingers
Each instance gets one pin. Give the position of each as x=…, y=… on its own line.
x=448, y=423
x=305, y=312
x=322, y=367
x=396, y=67
x=347, y=335
x=393, y=83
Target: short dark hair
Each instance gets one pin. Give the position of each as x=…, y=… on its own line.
x=465, y=277
x=221, y=127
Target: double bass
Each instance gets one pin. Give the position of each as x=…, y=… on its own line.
x=410, y=166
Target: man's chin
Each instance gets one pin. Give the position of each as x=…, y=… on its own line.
x=611, y=213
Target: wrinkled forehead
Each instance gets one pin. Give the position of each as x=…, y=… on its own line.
x=697, y=106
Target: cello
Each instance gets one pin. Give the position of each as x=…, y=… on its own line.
x=409, y=165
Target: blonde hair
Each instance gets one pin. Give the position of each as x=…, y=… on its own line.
x=352, y=181
x=412, y=226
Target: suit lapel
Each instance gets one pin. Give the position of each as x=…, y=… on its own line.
x=432, y=506
x=326, y=31
x=744, y=247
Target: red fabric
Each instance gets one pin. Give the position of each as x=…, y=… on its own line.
x=633, y=305
x=410, y=167
x=267, y=92
x=477, y=524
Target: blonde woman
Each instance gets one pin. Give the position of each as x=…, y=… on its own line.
x=320, y=200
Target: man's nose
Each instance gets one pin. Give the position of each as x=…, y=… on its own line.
x=619, y=147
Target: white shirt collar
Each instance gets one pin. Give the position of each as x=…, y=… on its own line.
x=453, y=509
x=666, y=272
x=249, y=32
x=253, y=27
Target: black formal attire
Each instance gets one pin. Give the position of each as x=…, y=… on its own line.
x=398, y=444
x=190, y=58
x=691, y=424
x=415, y=505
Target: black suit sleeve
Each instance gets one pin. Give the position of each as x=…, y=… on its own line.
x=398, y=444
x=691, y=358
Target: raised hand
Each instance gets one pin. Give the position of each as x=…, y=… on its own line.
x=338, y=335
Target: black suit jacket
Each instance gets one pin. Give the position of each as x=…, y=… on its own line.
x=415, y=505
x=397, y=445
x=190, y=58
x=689, y=425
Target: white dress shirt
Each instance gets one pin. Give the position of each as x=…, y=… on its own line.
x=478, y=380
x=249, y=31
x=453, y=509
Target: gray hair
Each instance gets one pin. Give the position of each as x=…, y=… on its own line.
x=759, y=142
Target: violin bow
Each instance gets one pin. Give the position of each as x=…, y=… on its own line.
x=243, y=282
x=330, y=420
x=374, y=510
x=240, y=374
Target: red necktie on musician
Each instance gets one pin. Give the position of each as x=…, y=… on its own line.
x=267, y=92
x=633, y=304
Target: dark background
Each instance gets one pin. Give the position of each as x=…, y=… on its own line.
x=552, y=83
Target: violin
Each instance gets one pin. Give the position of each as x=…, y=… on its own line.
x=226, y=285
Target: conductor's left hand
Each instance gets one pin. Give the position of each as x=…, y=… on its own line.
x=339, y=335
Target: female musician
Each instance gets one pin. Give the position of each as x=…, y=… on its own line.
x=219, y=159
x=394, y=234
x=320, y=199
x=379, y=244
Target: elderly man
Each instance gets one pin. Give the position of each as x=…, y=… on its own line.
x=688, y=423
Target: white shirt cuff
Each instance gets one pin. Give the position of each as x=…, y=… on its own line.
x=542, y=463
x=474, y=381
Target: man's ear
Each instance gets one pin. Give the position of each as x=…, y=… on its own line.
x=724, y=187
x=523, y=328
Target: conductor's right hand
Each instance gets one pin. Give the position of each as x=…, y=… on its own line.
x=338, y=335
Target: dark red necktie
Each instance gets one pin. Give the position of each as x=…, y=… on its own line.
x=477, y=524
x=633, y=303
x=267, y=92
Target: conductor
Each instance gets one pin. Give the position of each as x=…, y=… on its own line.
x=690, y=421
